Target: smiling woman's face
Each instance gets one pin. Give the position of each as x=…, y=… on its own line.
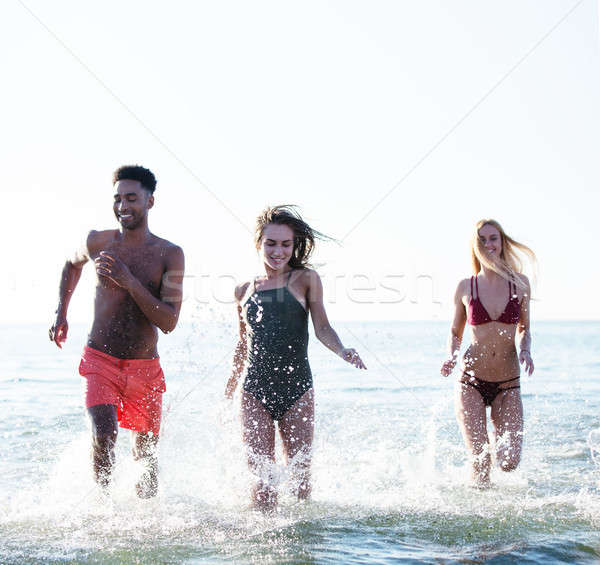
x=491, y=240
x=277, y=245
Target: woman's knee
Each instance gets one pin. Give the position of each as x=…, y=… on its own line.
x=508, y=466
x=508, y=450
x=509, y=461
x=262, y=464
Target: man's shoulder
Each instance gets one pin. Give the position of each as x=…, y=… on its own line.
x=100, y=238
x=102, y=235
x=167, y=245
x=168, y=249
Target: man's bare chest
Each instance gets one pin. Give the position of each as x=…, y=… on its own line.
x=146, y=264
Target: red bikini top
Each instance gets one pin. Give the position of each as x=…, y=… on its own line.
x=477, y=314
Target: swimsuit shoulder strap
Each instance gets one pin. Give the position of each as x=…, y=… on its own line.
x=512, y=288
x=289, y=277
x=476, y=287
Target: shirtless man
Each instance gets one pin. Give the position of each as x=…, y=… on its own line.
x=139, y=289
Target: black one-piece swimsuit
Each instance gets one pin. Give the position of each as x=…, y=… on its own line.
x=278, y=373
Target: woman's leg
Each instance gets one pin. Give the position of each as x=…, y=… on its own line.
x=470, y=414
x=297, y=430
x=507, y=417
x=259, y=438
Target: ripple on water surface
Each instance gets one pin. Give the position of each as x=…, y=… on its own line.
x=389, y=469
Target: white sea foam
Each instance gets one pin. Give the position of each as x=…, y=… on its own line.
x=388, y=465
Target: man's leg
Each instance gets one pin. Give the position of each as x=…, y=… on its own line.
x=144, y=450
x=104, y=437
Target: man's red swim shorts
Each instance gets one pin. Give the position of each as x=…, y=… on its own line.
x=134, y=386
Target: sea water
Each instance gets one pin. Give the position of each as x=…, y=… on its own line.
x=389, y=467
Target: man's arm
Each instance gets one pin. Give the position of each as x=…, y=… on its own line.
x=163, y=312
x=71, y=274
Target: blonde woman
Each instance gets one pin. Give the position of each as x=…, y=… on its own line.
x=495, y=303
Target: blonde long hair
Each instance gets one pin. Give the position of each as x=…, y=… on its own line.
x=511, y=258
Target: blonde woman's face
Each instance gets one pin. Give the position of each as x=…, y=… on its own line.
x=491, y=240
x=277, y=245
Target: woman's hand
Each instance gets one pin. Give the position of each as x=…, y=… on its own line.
x=351, y=356
x=526, y=360
x=448, y=366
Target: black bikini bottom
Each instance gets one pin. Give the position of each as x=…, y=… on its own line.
x=488, y=389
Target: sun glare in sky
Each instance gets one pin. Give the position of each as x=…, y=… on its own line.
x=394, y=126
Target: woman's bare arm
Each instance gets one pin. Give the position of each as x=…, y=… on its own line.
x=241, y=349
x=523, y=333
x=456, y=330
x=323, y=330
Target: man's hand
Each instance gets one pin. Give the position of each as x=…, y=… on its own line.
x=113, y=268
x=58, y=332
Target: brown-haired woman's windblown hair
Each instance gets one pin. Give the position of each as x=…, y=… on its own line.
x=510, y=261
x=304, y=235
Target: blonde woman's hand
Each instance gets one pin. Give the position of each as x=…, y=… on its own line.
x=526, y=360
x=351, y=356
x=448, y=366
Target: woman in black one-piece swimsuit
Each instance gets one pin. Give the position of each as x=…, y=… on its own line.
x=272, y=351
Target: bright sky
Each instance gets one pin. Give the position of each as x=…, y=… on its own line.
x=395, y=126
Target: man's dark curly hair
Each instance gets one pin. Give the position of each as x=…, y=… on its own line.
x=136, y=172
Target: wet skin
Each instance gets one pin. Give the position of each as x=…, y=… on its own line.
x=138, y=289
x=296, y=427
x=120, y=328
x=492, y=356
x=492, y=353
